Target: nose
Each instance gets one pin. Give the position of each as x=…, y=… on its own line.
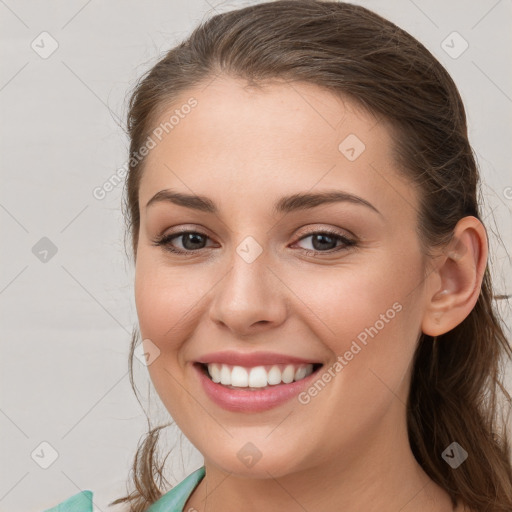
x=249, y=299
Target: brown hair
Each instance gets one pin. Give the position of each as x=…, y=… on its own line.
x=356, y=54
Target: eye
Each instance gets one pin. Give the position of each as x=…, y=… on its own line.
x=194, y=241
x=325, y=241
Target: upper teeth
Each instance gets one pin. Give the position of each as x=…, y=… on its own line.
x=258, y=376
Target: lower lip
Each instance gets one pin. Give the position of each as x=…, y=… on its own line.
x=242, y=400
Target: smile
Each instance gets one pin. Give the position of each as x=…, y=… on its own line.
x=254, y=389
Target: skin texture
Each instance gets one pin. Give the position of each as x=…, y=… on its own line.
x=244, y=148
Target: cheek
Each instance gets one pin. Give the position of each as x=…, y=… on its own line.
x=349, y=300
x=168, y=300
x=159, y=301
x=369, y=320
x=370, y=316
x=167, y=305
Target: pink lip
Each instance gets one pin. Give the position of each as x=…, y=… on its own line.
x=251, y=359
x=242, y=400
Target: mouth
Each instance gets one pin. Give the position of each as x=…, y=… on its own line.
x=256, y=378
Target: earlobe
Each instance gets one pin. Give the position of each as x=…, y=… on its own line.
x=454, y=287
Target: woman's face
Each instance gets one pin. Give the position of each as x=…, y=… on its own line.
x=262, y=275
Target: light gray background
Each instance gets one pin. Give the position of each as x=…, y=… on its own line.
x=66, y=323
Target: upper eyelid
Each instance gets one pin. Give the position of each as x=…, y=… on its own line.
x=314, y=231
x=312, y=228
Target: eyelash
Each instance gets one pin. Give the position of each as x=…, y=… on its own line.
x=165, y=242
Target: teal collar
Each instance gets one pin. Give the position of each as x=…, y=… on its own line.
x=175, y=499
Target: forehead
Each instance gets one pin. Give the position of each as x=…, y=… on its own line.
x=240, y=141
x=230, y=111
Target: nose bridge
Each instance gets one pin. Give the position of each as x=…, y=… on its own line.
x=248, y=293
x=247, y=282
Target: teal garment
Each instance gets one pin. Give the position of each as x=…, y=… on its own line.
x=81, y=502
x=172, y=501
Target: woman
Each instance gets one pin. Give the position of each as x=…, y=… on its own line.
x=311, y=273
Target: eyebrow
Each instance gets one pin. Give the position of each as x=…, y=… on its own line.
x=287, y=204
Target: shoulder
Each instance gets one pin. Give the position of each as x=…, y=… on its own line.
x=80, y=502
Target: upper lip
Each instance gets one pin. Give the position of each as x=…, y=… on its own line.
x=252, y=358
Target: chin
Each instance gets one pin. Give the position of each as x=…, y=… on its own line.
x=250, y=462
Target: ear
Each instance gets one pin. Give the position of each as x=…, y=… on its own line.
x=452, y=289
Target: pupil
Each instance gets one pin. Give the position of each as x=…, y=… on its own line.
x=317, y=246
x=188, y=237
